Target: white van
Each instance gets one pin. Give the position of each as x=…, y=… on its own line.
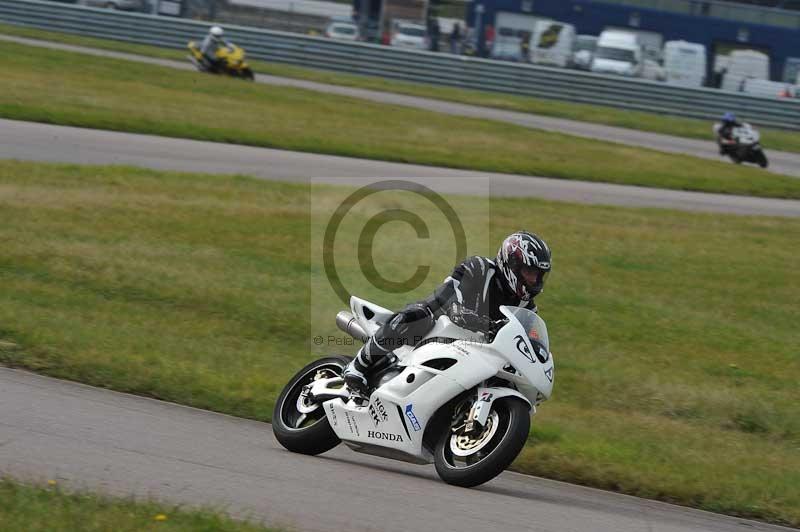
x=551, y=43
x=742, y=65
x=685, y=63
x=652, y=42
x=618, y=52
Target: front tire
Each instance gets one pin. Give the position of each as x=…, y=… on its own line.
x=300, y=425
x=469, y=460
x=762, y=159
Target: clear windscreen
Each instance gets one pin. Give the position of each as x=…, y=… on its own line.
x=533, y=325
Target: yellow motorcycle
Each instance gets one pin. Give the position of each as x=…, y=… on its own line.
x=230, y=61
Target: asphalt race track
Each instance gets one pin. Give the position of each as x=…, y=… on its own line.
x=780, y=162
x=42, y=142
x=85, y=437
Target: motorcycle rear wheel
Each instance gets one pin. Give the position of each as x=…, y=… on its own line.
x=468, y=461
x=299, y=425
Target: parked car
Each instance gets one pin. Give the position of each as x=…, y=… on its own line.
x=346, y=31
x=409, y=35
x=552, y=43
x=124, y=5
x=618, y=52
x=507, y=46
x=583, y=51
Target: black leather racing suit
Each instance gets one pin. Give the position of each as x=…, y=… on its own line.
x=471, y=297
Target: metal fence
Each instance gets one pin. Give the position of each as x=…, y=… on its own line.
x=426, y=67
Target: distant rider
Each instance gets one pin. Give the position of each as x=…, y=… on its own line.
x=725, y=133
x=213, y=42
x=470, y=297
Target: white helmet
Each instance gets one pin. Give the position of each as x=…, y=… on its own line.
x=216, y=31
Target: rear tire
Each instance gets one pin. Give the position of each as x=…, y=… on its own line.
x=311, y=434
x=489, y=459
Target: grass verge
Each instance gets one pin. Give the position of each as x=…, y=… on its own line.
x=656, y=123
x=80, y=90
x=49, y=509
x=674, y=334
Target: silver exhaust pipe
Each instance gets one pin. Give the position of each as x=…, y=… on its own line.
x=347, y=323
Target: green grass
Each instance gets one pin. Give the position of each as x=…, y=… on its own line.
x=674, y=334
x=682, y=127
x=49, y=509
x=66, y=88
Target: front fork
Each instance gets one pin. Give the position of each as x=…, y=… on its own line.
x=482, y=406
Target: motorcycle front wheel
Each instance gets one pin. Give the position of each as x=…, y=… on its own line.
x=299, y=424
x=761, y=159
x=469, y=459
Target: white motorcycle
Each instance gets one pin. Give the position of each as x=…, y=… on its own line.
x=459, y=399
x=745, y=146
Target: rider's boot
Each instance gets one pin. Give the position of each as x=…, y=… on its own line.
x=370, y=357
x=355, y=375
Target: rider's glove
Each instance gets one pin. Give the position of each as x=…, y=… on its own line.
x=470, y=320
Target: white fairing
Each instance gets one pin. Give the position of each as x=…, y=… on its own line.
x=745, y=134
x=535, y=366
x=369, y=315
x=394, y=421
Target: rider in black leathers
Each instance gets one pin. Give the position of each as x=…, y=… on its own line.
x=470, y=296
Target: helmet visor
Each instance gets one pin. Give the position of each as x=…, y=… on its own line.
x=533, y=277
